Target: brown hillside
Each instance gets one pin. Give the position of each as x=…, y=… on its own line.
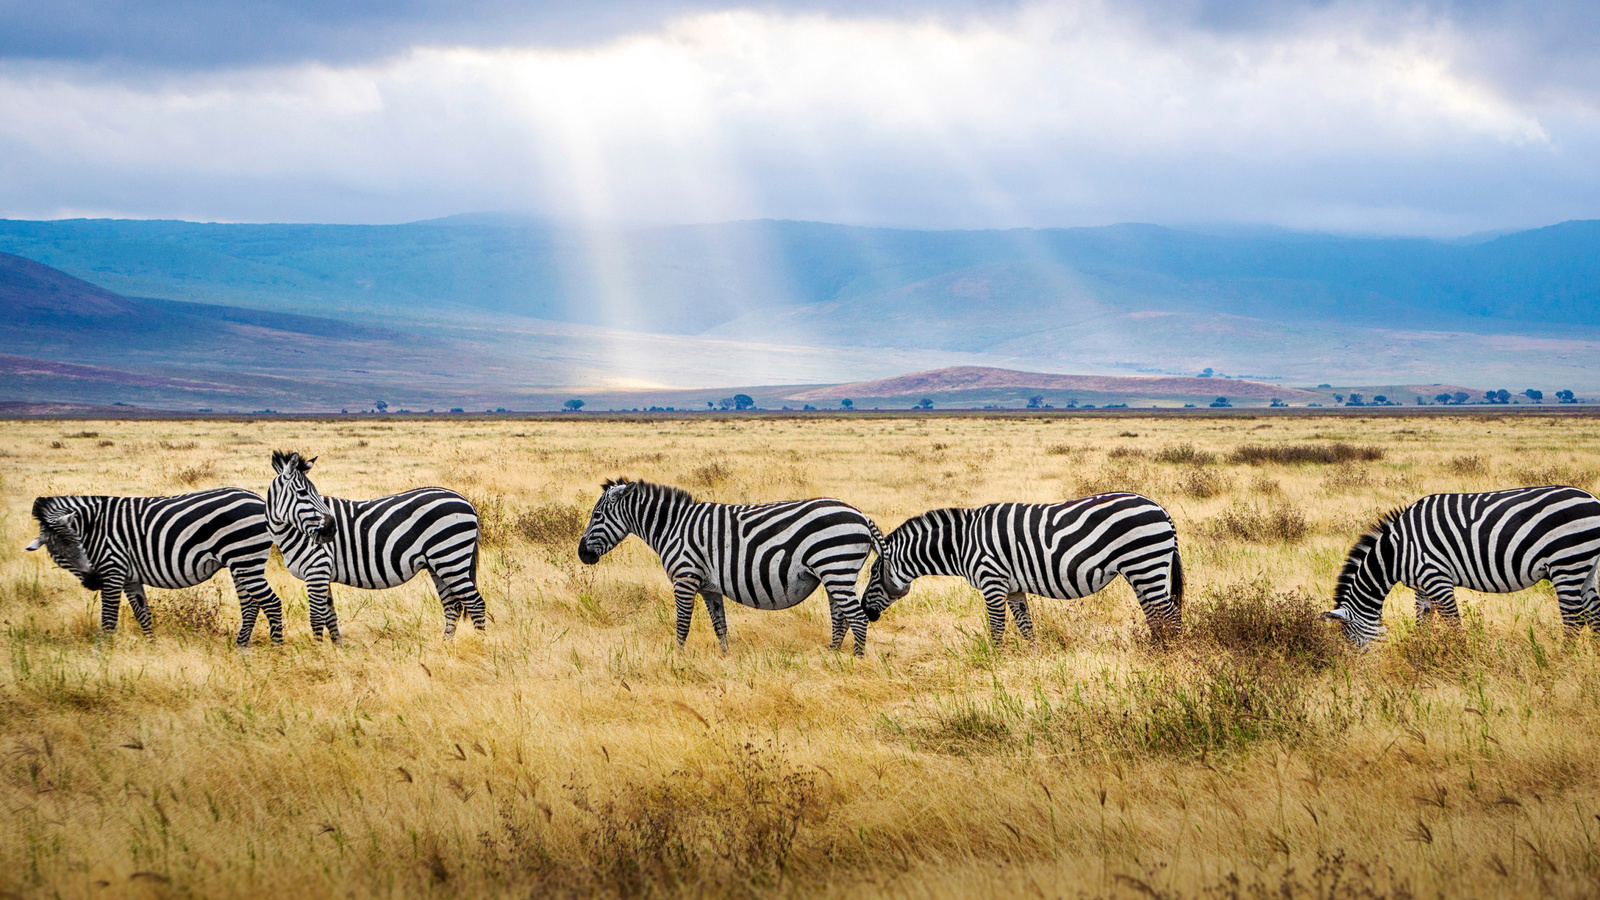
x=979, y=378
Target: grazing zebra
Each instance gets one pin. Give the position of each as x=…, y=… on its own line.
x=1060, y=550
x=372, y=544
x=769, y=556
x=1496, y=542
x=118, y=545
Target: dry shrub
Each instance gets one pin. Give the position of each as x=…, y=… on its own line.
x=495, y=525
x=56, y=445
x=84, y=434
x=196, y=609
x=189, y=476
x=1267, y=487
x=551, y=524
x=1122, y=476
x=1347, y=476
x=1200, y=483
x=1298, y=454
x=106, y=444
x=1251, y=619
x=1184, y=454
x=1468, y=465
x=731, y=831
x=711, y=476
x=180, y=445
x=1125, y=453
x=1555, y=474
x=1281, y=523
x=1063, y=449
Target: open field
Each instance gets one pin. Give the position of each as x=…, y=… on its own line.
x=575, y=750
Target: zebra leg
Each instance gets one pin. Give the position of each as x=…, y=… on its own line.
x=110, y=606
x=994, y=599
x=683, y=591
x=1019, y=612
x=256, y=596
x=845, y=607
x=1570, y=587
x=447, y=600
x=319, y=593
x=141, y=608
x=836, y=619
x=719, y=617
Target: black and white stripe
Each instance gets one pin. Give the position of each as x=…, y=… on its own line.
x=1060, y=550
x=120, y=545
x=373, y=544
x=768, y=556
x=1495, y=542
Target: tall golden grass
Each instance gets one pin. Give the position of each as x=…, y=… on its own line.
x=574, y=750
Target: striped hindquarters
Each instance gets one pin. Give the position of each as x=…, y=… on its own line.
x=1073, y=549
x=174, y=542
x=385, y=542
x=1502, y=541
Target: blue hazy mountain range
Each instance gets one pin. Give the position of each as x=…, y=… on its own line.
x=781, y=301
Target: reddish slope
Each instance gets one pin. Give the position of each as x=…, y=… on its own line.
x=980, y=378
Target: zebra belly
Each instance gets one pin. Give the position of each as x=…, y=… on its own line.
x=1061, y=588
x=198, y=574
x=784, y=595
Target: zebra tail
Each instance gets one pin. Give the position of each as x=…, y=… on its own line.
x=880, y=544
x=1175, y=578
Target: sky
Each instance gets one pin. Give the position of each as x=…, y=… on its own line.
x=1429, y=118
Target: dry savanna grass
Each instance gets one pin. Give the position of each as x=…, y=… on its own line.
x=573, y=750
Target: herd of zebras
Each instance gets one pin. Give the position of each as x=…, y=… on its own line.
x=774, y=555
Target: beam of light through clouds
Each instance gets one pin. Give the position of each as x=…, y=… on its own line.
x=1360, y=118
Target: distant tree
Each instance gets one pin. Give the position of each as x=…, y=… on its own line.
x=1277, y=402
x=1460, y=397
x=847, y=403
x=1379, y=398
x=807, y=406
x=1442, y=398
x=1503, y=395
x=1338, y=398
x=1324, y=385
x=1036, y=401
x=1535, y=396
x=925, y=403
x=743, y=401
x=1206, y=372
x=710, y=405
x=381, y=406
x=1566, y=397
x=1420, y=401
x=455, y=409
x=572, y=405
x=1220, y=402
x=725, y=403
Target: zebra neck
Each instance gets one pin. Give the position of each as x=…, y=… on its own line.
x=934, y=542
x=657, y=524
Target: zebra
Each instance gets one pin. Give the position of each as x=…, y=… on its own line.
x=380, y=543
x=1059, y=550
x=119, y=545
x=767, y=556
x=1495, y=542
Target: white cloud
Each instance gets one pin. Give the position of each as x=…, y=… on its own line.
x=1055, y=114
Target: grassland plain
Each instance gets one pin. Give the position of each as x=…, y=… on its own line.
x=574, y=750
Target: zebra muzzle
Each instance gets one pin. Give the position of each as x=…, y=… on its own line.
x=586, y=556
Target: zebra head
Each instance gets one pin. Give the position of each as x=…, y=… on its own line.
x=1365, y=581
x=610, y=522
x=885, y=584
x=61, y=533
x=293, y=501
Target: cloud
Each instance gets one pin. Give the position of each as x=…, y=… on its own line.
x=1318, y=116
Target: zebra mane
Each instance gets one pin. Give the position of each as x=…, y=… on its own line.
x=281, y=458
x=659, y=490
x=44, y=510
x=1359, y=553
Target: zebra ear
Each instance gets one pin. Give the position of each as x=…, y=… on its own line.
x=306, y=464
x=37, y=542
